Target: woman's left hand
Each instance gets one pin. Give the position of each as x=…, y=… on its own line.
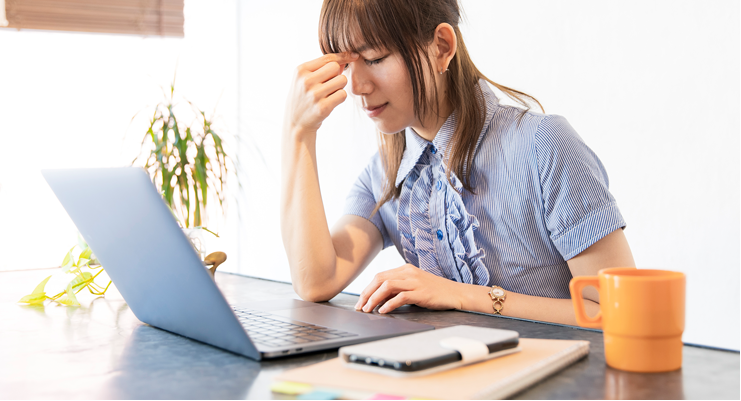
x=409, y=285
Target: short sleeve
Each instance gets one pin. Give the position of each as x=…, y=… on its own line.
x=579, y=209
x=361, y=200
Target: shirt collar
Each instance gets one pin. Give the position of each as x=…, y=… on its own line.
x=416, y=145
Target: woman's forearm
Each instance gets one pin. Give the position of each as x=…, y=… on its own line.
x=316, y=91
x=306, y=235
x=476, y=298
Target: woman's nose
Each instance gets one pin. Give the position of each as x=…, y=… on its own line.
x=360, y=83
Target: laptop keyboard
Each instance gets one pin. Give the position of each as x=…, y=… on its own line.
x=275, y=331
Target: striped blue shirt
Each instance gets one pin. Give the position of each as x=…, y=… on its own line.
x=541, y=197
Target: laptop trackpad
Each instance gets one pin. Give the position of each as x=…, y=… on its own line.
x=334, y=318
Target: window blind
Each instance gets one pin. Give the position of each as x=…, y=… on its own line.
x=135, y=17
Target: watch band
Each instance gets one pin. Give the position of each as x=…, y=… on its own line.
x=498, y=296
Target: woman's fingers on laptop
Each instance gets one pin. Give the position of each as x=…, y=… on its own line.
x=389, y=289
x=369, y=290
x=378, y=280
x=409, y=285
x=401, y=299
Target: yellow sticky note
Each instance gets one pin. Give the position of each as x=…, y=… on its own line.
x=290, y=388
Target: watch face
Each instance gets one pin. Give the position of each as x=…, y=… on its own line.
x=498, y=292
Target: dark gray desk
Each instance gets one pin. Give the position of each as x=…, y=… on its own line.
x=102, y=351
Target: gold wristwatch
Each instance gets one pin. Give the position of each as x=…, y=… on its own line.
x=498, y=296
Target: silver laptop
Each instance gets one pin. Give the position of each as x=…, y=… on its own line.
x=123, y=218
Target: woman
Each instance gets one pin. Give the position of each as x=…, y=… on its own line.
x=494, y=208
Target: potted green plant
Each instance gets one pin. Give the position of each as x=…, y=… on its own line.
x=186, y=160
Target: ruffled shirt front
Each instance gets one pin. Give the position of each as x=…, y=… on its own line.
x=429, y=209
x=541, y=197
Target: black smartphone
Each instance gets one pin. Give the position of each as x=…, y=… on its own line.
x=431, y=350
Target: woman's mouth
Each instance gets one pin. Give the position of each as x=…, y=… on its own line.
x=374, y=111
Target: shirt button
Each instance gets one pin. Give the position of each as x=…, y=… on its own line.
x=433, y=149
x=439, y=185
x=440, y=235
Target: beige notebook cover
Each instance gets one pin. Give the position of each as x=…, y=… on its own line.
x=494, y=379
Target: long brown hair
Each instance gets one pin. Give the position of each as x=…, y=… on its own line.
x=408, y=27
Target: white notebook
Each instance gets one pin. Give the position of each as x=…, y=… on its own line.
x=493, y=379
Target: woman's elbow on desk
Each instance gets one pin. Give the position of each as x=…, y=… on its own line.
x=312, y=288
x=313, y=294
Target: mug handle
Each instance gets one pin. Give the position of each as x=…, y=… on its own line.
x=576, y=285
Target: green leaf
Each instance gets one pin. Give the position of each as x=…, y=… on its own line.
x=197, y=212
x=69, y=297
x=34, y=299
x=86, y=254
x=81, y=279
x=38, y=295
x=40, y=288
x=82, y=262
x=200, y=173
x=206, y=229
x=68, y=261
x=184, y=188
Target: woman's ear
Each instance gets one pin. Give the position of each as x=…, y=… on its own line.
x=444, y=46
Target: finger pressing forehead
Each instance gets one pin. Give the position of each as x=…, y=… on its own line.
x=340, y=58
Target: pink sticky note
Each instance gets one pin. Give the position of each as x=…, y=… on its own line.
x=379, y=396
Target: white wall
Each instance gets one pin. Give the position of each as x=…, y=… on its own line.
x=652, y=87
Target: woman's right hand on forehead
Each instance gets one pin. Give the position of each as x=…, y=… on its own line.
x=316, y=90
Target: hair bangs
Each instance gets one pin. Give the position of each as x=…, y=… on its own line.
x=350, y=25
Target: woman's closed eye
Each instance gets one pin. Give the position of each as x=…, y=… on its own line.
x=376, y=61
x=370, y=62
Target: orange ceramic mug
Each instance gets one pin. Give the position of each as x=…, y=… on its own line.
x=641, y=315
